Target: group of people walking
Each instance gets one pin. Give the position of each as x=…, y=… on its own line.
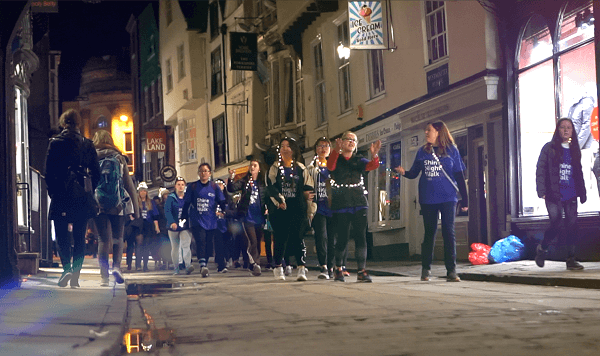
x=90, y=180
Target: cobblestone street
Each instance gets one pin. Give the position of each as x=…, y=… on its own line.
x=233, y=313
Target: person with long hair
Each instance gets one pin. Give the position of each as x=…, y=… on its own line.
x=204, y=204
x=441, y=168
x=348, y=201
x=322, y=221
x=72, y=173
x=559, y=181
x=110, y=222
x=145, y=238
x=289, y=187
x=179, y=234
x=251, y=210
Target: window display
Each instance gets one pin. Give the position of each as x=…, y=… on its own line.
x=576, y=87
x=387, y=185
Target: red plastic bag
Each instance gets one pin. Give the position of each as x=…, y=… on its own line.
x=479, y=254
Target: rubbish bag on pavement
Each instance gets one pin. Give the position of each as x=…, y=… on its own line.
x=507, y=249
x=479, y=254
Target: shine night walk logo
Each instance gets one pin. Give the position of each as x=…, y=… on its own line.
x=432, y=168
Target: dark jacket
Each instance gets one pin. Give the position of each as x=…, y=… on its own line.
x=244, y=203
x=275, y=182
x=547, y=175
x=348, y=172
x=66, y=152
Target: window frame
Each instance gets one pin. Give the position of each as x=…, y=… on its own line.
x=320, y=85
x=381, y=74
x=429, y=37
x=169, y=76
x=343, y=65
x=216, y=73
x=220, y=144
x=180, y=62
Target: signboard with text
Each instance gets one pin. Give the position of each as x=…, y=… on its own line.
x=47, y=6
x=156, y=141
x=244, y=50
x=365, y=21
x=438, y=79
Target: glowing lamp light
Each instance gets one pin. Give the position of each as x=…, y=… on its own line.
x=343, y=52
x=124, y=118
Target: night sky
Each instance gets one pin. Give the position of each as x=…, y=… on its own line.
x=83, y=30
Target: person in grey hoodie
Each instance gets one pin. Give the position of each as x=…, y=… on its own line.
x=110, y=222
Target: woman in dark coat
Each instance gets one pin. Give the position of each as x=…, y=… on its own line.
x=251, y=210
x=72, y=174
x=559, y=181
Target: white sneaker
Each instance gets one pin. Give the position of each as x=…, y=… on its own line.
x=278, y=273
x=323, y=274
x=288, y=270
x=302, y=273
x=118, y=276
x=256, y=270
x=204, y=271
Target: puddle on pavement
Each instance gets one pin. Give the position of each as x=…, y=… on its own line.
x=147, y=339
x=143, y=289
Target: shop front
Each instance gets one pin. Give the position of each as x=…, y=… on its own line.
x=552, y=64
x=473, y=113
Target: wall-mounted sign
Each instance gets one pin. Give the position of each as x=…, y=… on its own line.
x=244, y=50
x=156, y=141
x=438, y=79
x=373, y=133
x=44, y=6
x=365, y=20
x=168, y=173
x=414, y=141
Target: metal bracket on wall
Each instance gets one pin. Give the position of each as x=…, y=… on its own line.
x=239, y=103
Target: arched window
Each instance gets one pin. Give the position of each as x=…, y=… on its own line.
x=556, y=79
x=102, y=122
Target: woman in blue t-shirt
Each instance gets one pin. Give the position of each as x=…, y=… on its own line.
x=205, y=203
x=441, y=169
x=180, y=235
x=322, y=221
x=559, y=181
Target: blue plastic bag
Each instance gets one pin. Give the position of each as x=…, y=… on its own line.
x=507, y=249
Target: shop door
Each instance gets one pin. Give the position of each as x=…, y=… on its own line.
x=481, y=193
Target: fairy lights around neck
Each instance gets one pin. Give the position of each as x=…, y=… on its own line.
x=250, y=183
x=281, y=168
x=334, y=184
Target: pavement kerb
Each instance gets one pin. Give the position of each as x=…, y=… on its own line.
x=589, y=283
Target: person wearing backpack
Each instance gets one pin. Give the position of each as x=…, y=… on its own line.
x=71, y=173
x=113, y=192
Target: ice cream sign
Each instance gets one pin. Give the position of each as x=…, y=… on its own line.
x=366, y=24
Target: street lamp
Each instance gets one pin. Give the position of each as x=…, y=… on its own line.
x=343, y=52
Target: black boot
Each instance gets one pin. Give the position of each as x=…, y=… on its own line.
x=66, y=276
x=540, y=256
x=75, y=278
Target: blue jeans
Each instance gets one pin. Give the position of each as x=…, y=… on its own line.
x=430, y=220
x=555, y=210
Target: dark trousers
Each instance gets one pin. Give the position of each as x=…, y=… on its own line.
x=253, y=234
x=110, y=234
x=202, y=236
x=348, y=225
x=430, y=220
x=268, y=237
x=288, y=232
x=566, y=230
x=63, y=238
x=144, y=243
x=324, y=239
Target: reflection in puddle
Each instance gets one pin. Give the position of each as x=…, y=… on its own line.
x=149, y=339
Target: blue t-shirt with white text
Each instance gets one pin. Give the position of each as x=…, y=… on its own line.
x=566, y=181
x=434, y=186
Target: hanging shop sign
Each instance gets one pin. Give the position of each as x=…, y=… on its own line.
x=168, y=173
x=47, y=6
x=156, y=141
x=365, y=19
x=244, y=50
